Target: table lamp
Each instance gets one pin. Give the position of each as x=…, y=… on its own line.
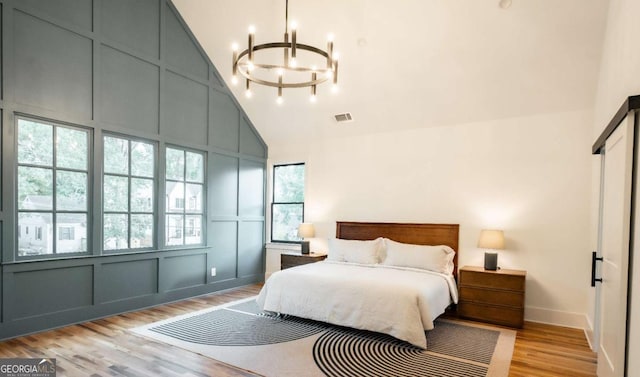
x=492, y=240
x=305, y=230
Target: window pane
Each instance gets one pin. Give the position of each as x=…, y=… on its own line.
x=175, y=197
x=36, y=236
x=71, y=148
x=115, y=232
x=142, y=159
x=72, y=232
x=174, y=230
x=175, y=164
x=193, y=198
x=116, y=193
x=35, y=143
x=141, y=195
x=141, y=231
x=71, y=191
x=35, y=188
x=288, y=183
x=286, y=218
x=116, y=155
x=195, y=167
x=193, y=230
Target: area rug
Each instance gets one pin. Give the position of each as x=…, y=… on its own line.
x=240, y=334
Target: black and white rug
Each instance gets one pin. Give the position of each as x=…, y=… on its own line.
x=241, y=335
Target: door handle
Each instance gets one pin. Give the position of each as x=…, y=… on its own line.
x=594, y=259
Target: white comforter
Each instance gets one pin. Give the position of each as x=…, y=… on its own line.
x=401, y=302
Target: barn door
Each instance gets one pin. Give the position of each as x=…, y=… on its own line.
x=615, y=235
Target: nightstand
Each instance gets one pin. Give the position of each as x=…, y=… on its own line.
x=492, y=296
x=288, y=260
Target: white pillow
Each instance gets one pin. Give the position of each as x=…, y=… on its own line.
x=354, y=251
x=432, y=258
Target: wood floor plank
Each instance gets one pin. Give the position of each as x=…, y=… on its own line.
x=104, y=347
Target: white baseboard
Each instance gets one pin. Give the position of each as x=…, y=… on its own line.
x=557, y=317
x=589, y=334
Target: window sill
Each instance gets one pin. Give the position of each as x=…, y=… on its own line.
x=283, y=246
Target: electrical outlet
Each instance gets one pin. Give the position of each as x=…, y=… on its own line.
x=213, y=271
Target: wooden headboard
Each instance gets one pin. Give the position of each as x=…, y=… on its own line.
x=417, y=234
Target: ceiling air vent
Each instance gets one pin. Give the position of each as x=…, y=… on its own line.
x=346, y=117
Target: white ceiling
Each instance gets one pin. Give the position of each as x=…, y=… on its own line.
x=414, y=63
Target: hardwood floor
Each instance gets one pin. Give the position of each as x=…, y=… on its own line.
x=105, y=348
x=545, y=350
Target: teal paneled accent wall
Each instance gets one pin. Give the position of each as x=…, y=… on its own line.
x=132, y=68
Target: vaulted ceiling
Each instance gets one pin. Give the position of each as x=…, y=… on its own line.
x=415, y=63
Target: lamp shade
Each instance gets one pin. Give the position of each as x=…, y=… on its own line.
x=491, y=239
x=306, y=230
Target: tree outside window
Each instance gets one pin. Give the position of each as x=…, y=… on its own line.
x=52, y=185
x=287, y=208
x=128, y=192
x=184, y=184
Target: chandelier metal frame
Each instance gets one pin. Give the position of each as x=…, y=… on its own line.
x=244, y=62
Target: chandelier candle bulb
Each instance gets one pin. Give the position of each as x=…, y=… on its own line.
x=335, y=72
x=248, y=93
x=286, y=50
x=313, y=87
x=293, y=43
x=329, y=54
x=250, y=45
x=235, y=64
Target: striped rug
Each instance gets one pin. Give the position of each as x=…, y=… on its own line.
x=272, y=345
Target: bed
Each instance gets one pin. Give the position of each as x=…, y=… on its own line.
x=389, y=296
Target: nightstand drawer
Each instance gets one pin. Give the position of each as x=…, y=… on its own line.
x=492, y=296
x=493, y=280
x=499, y=315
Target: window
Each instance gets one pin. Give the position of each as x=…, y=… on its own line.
x=66, y=233
x=287, y=208
x=128, y=192
x=52, y=186
x=184, y=179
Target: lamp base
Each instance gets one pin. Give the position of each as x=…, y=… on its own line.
x=304, y=247
x=491, y=261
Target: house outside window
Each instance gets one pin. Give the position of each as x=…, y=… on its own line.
x=287, y=208
x=52, y=186
x=185, y=178
x=128, y=193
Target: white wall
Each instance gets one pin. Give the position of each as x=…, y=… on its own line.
x=620, y=78
x=529, y=176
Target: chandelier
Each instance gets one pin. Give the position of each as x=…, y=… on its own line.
x=293, y=71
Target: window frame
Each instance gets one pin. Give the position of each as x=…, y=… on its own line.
x=129, y=212
x=274, y=203
x=54, y=211
x=184, y=210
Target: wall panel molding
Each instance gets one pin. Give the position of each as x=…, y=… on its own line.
x=132, y=68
